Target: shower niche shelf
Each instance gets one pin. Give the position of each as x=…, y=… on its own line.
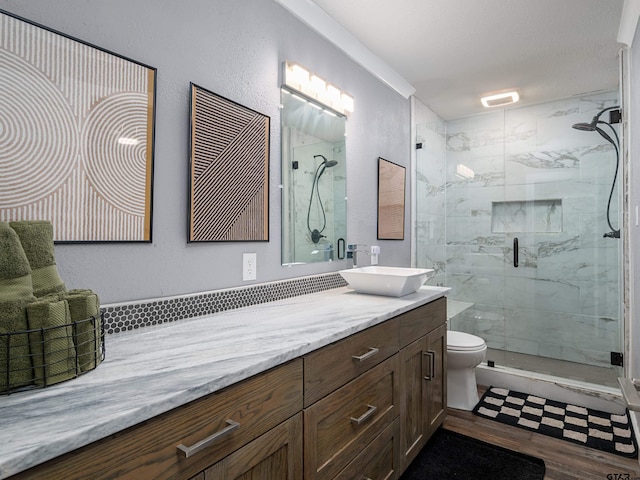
x=527, y=216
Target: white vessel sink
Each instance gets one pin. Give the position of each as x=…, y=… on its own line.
x=387, y=281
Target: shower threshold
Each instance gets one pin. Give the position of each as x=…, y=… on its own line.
x=606, y=377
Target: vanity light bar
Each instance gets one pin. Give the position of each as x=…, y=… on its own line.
x=299, y=79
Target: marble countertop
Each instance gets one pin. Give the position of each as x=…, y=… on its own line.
x=150, y=371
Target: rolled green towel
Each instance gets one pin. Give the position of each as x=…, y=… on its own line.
x=16, y=291
x=51, y=340
x=15, y=272
x=84, y=306
x=15, y=356
x=36, y=237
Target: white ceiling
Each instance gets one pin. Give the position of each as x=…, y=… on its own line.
x=455, y=51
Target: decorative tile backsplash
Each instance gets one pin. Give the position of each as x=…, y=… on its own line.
x=128, y=316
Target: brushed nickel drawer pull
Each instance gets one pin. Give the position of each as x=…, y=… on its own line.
x=432, y=365
x=186, y=452
x=361, y=358
x=366, y=415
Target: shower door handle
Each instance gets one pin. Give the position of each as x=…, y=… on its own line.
x=516, y=254
x=341, y=245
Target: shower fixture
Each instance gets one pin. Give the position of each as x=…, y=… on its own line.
x=593, y=127
x=316, y=233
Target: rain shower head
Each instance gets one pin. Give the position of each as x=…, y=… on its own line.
x=316, y=234
x=585, y=127
x=324, y=165
x=327, y=163
x=593, y=126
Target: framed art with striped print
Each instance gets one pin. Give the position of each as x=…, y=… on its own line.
x=229, y=171
x=76, y=136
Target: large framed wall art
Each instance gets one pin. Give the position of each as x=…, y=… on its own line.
x=229, y=170
x=77, y=134
x=391, y=199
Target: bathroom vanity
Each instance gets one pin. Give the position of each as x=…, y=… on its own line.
x=329, y=385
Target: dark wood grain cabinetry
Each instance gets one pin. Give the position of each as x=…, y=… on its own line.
x=362, y=407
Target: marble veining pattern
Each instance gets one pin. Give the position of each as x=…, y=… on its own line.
x=524, y=172
x=152, y=370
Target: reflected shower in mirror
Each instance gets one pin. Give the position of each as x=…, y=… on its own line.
x=313, y=181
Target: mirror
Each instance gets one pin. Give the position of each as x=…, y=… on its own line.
x=391, y=181
x=314, y=207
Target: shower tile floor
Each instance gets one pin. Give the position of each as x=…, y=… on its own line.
x=558, y=368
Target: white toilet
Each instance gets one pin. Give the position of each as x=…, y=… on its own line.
x=464, y=353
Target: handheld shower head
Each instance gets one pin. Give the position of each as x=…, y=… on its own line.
x=316, y=234
x=592, y=127
x=585, y=127
x=325, y=162
x=329, y=164
x=324, y=165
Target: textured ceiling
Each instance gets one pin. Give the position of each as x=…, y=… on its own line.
x=455, y=51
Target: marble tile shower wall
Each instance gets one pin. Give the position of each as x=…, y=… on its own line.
x=331, y=189
x=526, y=173
x=430, y=194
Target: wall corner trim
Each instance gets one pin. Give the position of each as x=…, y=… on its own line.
x=628, y=22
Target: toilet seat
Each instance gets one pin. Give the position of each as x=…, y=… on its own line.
x=464, y=342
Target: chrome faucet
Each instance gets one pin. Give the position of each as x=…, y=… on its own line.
x=352, y=253
x=353, y=249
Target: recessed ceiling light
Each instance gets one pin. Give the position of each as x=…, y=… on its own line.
x=500, y=99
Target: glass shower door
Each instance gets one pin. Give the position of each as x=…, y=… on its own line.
x=563, y=300
x=511, y=212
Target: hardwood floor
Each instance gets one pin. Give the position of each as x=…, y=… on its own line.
x=563, y=460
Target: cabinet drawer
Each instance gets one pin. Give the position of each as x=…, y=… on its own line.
x=276, y=454
x=149, y=450
x=334, y=365
x=420, y=321
x=379, y=460
x=341, y=425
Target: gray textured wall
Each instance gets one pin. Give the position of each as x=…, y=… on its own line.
x=235, y=49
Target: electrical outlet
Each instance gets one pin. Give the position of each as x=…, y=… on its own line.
x=249, y=261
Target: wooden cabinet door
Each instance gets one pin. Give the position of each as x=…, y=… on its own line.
x=423, y=379
x=413, y=405
x=342, y=424
x=436, y=345
x=276, y=455
x=333, y=366
x=149, y=450
x=379, y=460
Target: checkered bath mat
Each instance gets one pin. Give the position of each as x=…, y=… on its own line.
x=585, y=426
